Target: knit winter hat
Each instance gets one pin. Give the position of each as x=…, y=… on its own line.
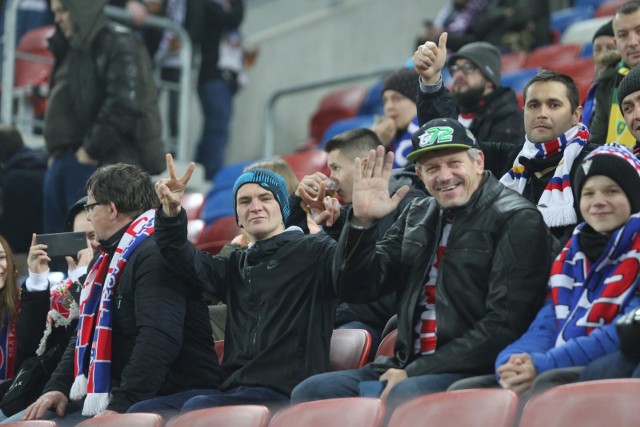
x=629, y=84
x=405, y=81
x=614, y=161
x=485, y=55
x=605, y=30
x=269, y=180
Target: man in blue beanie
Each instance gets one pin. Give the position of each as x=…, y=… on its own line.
x=280, y=293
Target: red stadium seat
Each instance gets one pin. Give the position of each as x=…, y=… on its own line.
x=219, y=346
x=388, y=344
x=512, y=61
x=349, y=411
x=119, y=420
x=552, y=56
x=609, y=8
x=349, y=349
x=338, y=104
x=307, y=162
x=217, y=234
x=33, y=423
x=235, y=416
x=461, y=408
x=586, y=404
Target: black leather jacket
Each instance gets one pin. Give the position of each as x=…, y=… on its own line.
x=491, y=281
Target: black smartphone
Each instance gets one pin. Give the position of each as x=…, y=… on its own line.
x=62, y=244
x=372, y=388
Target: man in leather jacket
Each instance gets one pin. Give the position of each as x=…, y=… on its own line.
x=469, y=266
x=102, y=106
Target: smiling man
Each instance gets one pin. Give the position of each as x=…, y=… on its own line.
x=469, y=267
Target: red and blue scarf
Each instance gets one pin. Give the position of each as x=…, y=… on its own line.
x=587, y=296
x=94, y=325
x=556, y=201
x=8, y=344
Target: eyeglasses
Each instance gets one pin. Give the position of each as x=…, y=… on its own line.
x=467, y=68
x=88, y=208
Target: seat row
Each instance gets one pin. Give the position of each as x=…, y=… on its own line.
x=587, y=404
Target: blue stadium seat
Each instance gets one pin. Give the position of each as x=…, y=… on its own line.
x=588, y=3
x=561, y=19
x=217, y=204
x=345, y=125
x=518, y=79
x=227, y=175
x=372, y=103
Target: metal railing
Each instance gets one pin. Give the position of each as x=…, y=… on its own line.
x=269, y=125
x=161, y=23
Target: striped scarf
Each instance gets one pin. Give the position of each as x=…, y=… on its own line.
x=587, y=296
x=8, y=344
x=94, y=325
x=556, y=201
x=63, y=310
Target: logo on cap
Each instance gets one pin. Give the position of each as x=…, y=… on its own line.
x=436, y=135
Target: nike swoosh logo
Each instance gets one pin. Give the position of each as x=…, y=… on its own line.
x=273, y=264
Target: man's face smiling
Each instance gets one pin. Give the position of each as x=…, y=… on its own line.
x=258, y=212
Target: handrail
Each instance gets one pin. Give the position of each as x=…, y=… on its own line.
x=185, y=55
x=269, y=125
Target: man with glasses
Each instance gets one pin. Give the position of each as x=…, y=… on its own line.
x=489, y=111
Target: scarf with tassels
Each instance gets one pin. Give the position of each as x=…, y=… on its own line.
x=63, y=311
x=556, y=201
x=94, y=325
x=589, y=295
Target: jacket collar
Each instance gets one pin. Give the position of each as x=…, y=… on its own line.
x=484, y=196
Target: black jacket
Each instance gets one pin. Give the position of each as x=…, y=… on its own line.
x=491, y=280
x=280, y=302
x=608, y=79
x=161, y=334
x=498, y=119
x=112, y=91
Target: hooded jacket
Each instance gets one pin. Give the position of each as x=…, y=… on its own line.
x=111, y=89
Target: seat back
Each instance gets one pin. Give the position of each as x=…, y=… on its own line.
x=349, y=349
x=345, y=125
x=217, y=205
x=461, y=408
x=561, y=19
x=31, y=72
x=307, y=162
x=338, y=104
x=349, y=411
x=552, y=56
x=130, y=420
x=512, y=61
x=388, y=344
x=32, y=423
x=609, y=8
x=586, y=404
x=217, y=234
x=236, y=416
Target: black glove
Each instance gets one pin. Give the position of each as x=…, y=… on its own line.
x=628, y=328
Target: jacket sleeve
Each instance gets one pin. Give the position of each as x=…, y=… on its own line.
x=196, y=267
x=228, y=17
x=123, y=83
x=62, y=377
x=34, y=307
x=582, y=350
x=600, y=121
x=516, y=291
x=439, y=104
x=160, y=301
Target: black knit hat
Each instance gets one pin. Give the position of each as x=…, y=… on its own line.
x=629, y=84
x=605, y=30
x=485, y=55
x=269, y=180
x=439, y=134
x=614, y=161
x=405, y=81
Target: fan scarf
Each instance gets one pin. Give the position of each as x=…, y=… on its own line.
x=586, y=296
x=8, y=344
x=63, y=310
x=94, y=325
x=556, y=201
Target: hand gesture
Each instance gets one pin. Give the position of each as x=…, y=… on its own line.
x=84, y=257
x=37, y=260
x=84, y=158
x=371, y=200
x=386, y=129
x=55, y=400
x=518, y=373
x=392, y=376
x=325, y=209
x=311, y=184
x=171, y=190
x=429, y=60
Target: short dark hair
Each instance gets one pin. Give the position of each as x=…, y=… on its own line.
x=628, y=8
x=354, y=143
x=10, y=142
x=545, y=76
x=127, y=186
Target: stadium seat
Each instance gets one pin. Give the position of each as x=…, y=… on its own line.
x=582, y=32
x=219, y=346
x=588, y=3
x=585, y=404
x=192, y=203
x=462, y=408
x=349, y=411
x=609, y=8
x=217, y=234
x=307, y=162
x=32, y=423
x=518, y=79
x=553, y=55
x=345, y=125
x=580, y=70
x=130, y=420
x=349, y=349
x=235, y=416
x=388, y=344
x=561, y=19
x=194, y=229
x=217, y=204
x=227, y=175
x=512, y=61
x=372, y=103
x=338, y=104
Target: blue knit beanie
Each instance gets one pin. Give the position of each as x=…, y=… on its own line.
x=266, y=179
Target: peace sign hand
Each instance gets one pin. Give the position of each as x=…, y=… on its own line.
x=170, y=190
